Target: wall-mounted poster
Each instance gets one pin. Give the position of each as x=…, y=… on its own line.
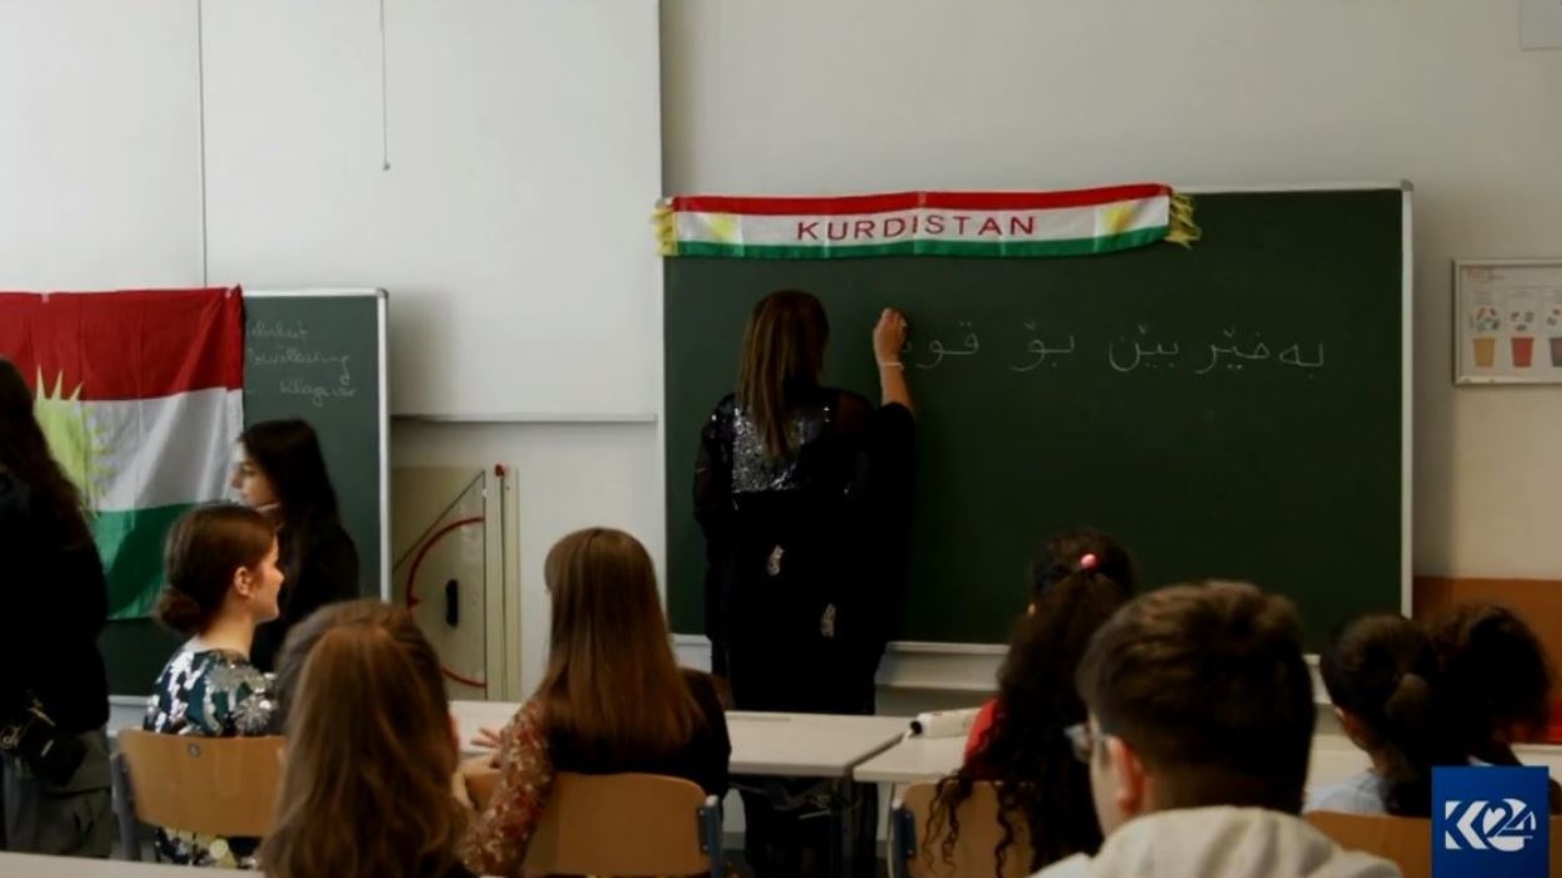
x=1508, y=321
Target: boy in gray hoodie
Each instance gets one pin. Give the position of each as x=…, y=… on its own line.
x=1201, y=722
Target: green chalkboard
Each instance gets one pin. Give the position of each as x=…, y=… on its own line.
x=1230, y=410
x=317, y=356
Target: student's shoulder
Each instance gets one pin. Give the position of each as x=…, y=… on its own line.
x=16, y=504
x=230, y=675
x=14, y=493
x=702, y=685
x=707, y=691
x=1358, y=794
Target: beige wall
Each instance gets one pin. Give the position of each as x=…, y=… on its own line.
x=830, y=96
x=823, y=96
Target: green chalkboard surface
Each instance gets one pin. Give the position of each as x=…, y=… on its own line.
x=1231, y=410
x=311, y=355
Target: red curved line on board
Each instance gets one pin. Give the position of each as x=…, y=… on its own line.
x=412, y=579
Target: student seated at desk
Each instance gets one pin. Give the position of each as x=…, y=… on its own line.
x=1500, y=679
x=1201, y=723
x=1383, y=676
x=613, y=699
x=1082, y=578
x=223, y=581
x=371, y=752
x=1077, y=554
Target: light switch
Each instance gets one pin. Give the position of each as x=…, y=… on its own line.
x=1540, y=24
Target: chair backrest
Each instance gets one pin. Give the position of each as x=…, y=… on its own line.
x=917, y=849
x=216, y=786
x=626, y=824
x=480, y=786
x=1403, y=840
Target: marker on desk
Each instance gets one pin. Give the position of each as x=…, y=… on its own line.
x=944, y=723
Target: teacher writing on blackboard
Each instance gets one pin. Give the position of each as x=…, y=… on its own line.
x=801, y=490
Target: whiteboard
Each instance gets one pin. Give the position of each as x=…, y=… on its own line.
x=491, y=163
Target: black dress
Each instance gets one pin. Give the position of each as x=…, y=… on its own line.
x=56, y=594
x=805, y=554
x=327, y=572
x=806, y=559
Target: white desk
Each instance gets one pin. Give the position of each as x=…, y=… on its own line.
x=29, y=866
x=808, y=745
x=763, y=744
x=923, y=759
x=913, y=760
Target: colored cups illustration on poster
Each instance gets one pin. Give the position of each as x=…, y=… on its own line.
x=1485, y=323
x=1508, y=322
x=1522, y=305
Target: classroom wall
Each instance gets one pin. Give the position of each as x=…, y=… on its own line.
x=568, y=476
x=102, y=179
x=819, y=96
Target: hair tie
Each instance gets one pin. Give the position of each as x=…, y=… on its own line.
x=1087, y=561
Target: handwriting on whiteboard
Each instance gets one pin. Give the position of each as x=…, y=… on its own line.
x=282, y=351
x=1226, y=350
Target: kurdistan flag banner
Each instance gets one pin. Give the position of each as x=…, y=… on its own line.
x=983, y=224
x=140, y=394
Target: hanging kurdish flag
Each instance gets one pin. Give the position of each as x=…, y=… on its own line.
x=1006, y=224
x=141, y=397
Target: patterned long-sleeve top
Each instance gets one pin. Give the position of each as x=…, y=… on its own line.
x=530, y=757
x=215, y=694
x=496, y=839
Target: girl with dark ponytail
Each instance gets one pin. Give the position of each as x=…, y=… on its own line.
x=1079, y=580
x=1388, y=690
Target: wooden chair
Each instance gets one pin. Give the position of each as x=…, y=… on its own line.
x=480, y=784
x=213, y=786
x=1403, y=840
x=627, y=824
x=918, y=852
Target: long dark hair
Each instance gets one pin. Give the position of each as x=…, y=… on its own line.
x=24, y=453
x=1498, y=673
x=612, y=688
x=1066, y=552
x=1025, y=750
x=1384, y=672
x=783, y=356
x=369, y=751
x=288, y=452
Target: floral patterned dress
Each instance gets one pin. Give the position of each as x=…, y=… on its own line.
x=216, y=694
x=497, y=838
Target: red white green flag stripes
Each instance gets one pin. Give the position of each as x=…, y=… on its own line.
x=140, y=394
x=987, y=224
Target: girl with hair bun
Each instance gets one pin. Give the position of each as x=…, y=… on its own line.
x=223, y=581
x=1383, y=675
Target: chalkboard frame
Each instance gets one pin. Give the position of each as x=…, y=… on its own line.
x=913, y=656
x=382, y=387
